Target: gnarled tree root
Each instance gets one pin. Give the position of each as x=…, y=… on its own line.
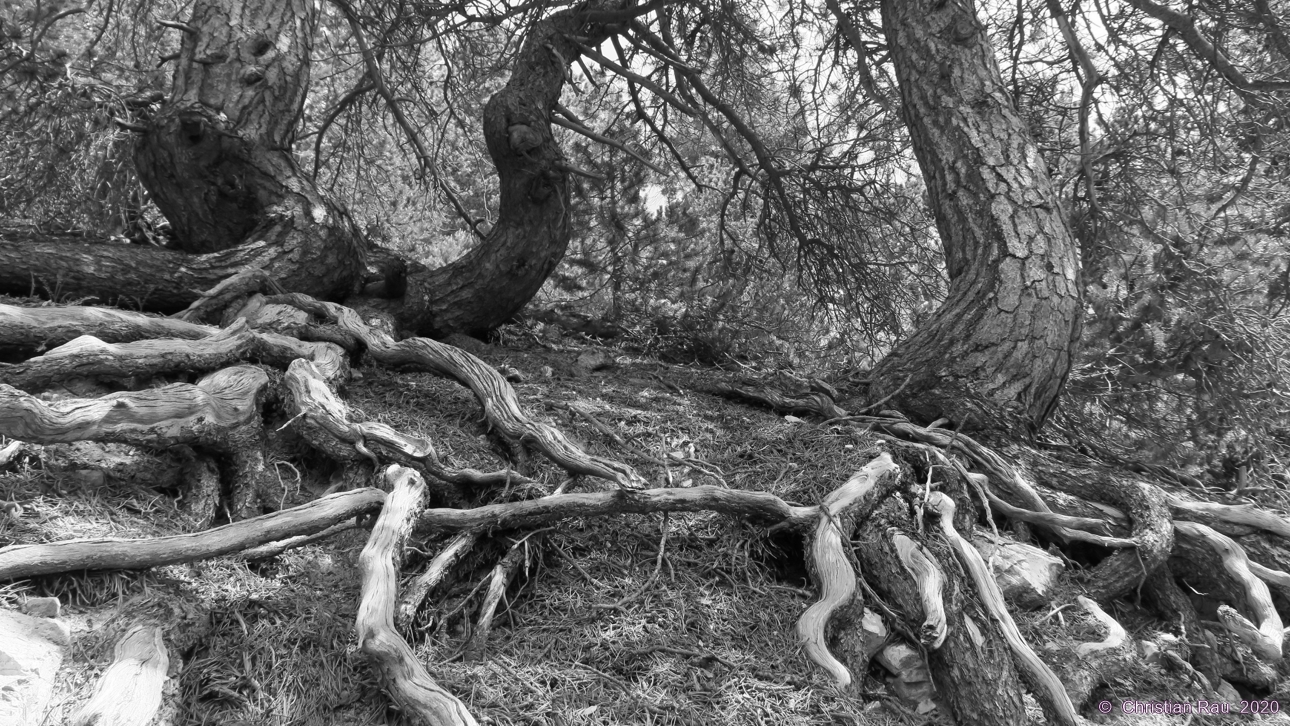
x=18, y=561
x=221, y=413
x=414, y=594
x=129, y=691
x=829, y=563
x=1095, y=663
x=927, y=575
x=46, y=327
x=323, y=420
x=1265, y=639
x=1045, y=684
x=501, y=406
x=88, y=356
x=401, y=674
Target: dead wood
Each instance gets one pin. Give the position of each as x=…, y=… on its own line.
x=1044, y=684
x=829, y=562
x=415, y=593
x=129, y=691
x=929, y=579
x=401, y=674
x=758, y=506
x=19, y=561
x=221, y=413
x=323, y=420
x=501, y=406
x=1265, y=639
x=1095, y=663
x=88, y=356
x=44, y=327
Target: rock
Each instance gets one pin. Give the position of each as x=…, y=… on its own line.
x=873, y=633
x=911, y=680
x=474, y=346
x=1027, y=575
x=593, y=360
x=31, y=651
x=42, y=607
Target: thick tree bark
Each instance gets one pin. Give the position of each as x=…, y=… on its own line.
x=217, y=162
x=1002, y=343
x=494, y=280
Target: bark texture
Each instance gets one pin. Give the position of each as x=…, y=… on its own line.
x=488, y=285
x=217, y=161
x=1001, y=345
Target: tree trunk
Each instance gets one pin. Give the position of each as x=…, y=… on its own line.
x=999, y=349
x=217, y=162
x=488, y=285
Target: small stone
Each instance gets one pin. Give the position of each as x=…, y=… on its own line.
x=42, y=607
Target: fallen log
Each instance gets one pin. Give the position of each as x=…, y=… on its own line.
x=129, y=691
x=401, y=674
x=19, y=561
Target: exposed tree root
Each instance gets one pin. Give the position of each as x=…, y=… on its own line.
x=129, y=691
x=415, y=594
x=401, y=674
x=757, y=506
x=521, y=550
x=501, y=406
x=1099, y=662
x=323, y=420
x=973, y=676
x=1265, y=639
x=88, y=356
x=220, y=413
x=18, y=561
x=1045, y=684
x=830, y=566
x=927, y=575
x=45, y=327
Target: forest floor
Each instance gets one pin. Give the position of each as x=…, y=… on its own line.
x=597, y=629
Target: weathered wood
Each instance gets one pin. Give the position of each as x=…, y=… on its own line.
x=129, y=691
x=1244, y=514
x=1265, y=639
x=501, y=406
x=221, y=412
x=1116, y=635
x=324, y=420
x=930, y=580
x=415, y=593
x=45, y=327
x=831, y=567
x=401, y=674
x=87, y=356
x=1045, y=684
x=760, y=506
x=18, y=561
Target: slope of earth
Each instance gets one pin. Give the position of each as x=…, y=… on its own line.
x=638, y=619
